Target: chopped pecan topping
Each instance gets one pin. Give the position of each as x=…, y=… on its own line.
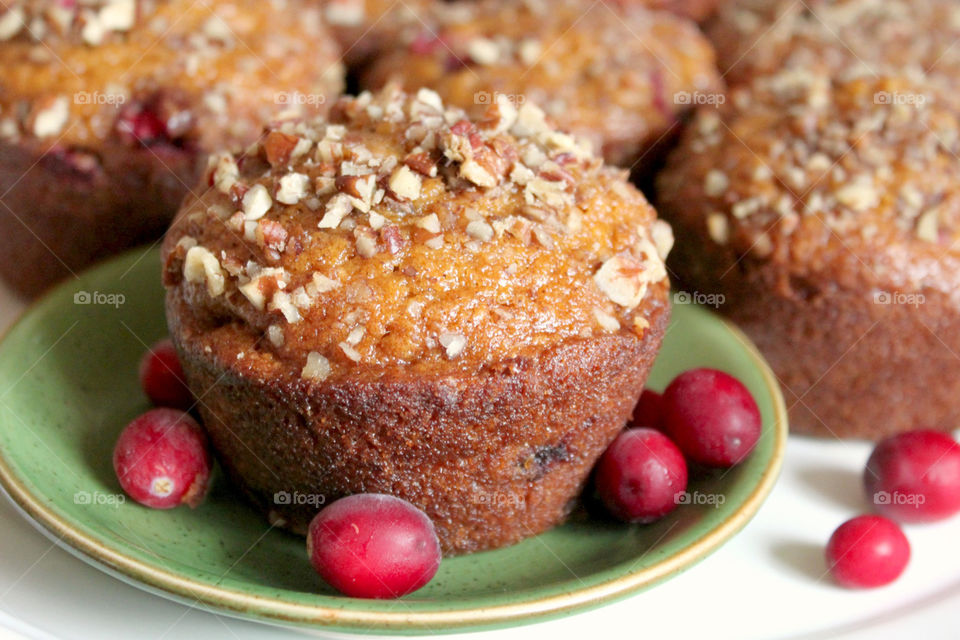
x=293, y=187
x=200, y=265
x=621, y=278
x=256, y=202
x=271, y=235
x=226, y=172
x=338, y=208
x=405, y=183
x=277, y=148
x=360, y=189
x=50, y=117
x=317, y=367
x=422, y=163
x=392, y=238
x=453, y=344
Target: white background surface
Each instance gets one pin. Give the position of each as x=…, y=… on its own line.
x=768, y=582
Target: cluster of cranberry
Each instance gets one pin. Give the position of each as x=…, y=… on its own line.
x=705, y=416
x=365, y=545
x=910, y=477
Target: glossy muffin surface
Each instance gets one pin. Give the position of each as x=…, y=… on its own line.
x=403, y=234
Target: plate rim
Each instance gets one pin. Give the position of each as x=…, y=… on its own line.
x=228, y=601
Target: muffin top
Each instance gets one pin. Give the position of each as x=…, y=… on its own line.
x=205, y=74
x=853, y=179
x=363, y=26
x=616, y=76
x=398, y=232
x=373, y=15
x=698, y=10
x=866, y=36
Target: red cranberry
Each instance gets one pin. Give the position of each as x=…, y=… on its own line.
x=641, y=476
x=162, y=379
x=648, y=411
x=140, y=124
x=711, y=416
x=915, y=476
x=426, y=43
x=162, y=460
x=373, y=546
x=454, y=62
x=867, y=551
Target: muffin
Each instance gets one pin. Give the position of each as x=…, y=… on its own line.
x=822, y=216
x=619, y=78
x=874, y=37
x=362, y=26
x=699, y=10
x=107, y=110
x=401, y=300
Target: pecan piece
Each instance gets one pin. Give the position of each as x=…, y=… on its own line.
x=422, y=163
x=391, y=237
x=277, y=147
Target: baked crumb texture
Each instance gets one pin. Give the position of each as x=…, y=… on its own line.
x=401, y=299
x=821, y=201
x=699, y=10
x=618, y=75
x=363, y=27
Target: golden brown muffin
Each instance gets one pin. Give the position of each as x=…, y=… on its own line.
x=699, y=10
x=402, y=300
x=108, y=107
x=362, y=27
x=825, y=213
x=618, y=77
x=871, y=36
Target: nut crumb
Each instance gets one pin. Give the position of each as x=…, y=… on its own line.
x=718, y=227
x=51, y=120
x=256, y=202
x=350, y=352
x=200, y=265
x=405, y=183
x=620, y=279
x=480, y=230
x=355, y=336
x=453, y=344
x=226, y=173
x=606, y=321
x=338, y=207
x=293, y=187
x=317, y=367
x=430, y=223
x=483, y=51
x=275, y=335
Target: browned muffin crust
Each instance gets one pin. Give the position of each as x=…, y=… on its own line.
x=108, y=107
x=362, y=27
x=826, y=213
x=618, y=76
x=401, y=299
x=493, y=456
x=872, y=37
x=699, y=10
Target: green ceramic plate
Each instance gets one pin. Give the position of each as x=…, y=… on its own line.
x=68, y=385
